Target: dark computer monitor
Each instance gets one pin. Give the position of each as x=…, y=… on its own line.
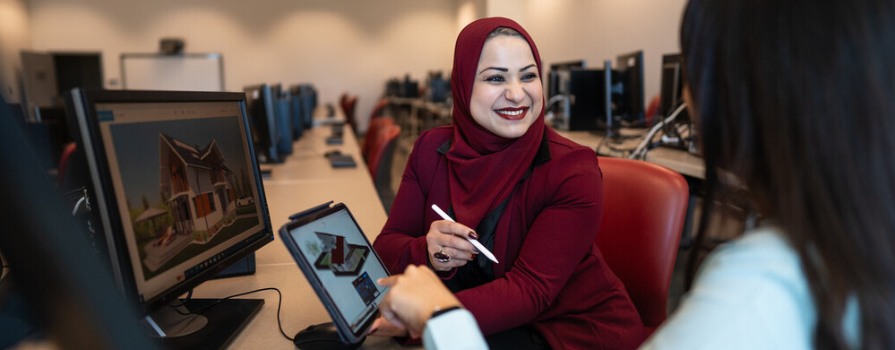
x=296, y=110
x=558, y=77
x=78, y=70
x=177, y=195
x=281, y=105
x=307, y=94
x=588, y=95
x=672, y=83
x=628, y=97
x=438, y=87
x=47, y=76
x=263, y=121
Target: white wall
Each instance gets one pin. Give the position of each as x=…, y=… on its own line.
x=14, y=37
x=339, y=46
x=597, y=30
x=468, y=11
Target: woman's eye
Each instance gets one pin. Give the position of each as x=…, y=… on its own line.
x=494, y=79
x=529, y=76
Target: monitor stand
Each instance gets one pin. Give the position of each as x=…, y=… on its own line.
x=211, y=327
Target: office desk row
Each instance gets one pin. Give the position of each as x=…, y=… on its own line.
x=678, y=160
x=304, y=180
x=417, y=114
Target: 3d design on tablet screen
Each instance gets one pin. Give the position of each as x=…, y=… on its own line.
x=337, y=255
x=339, y=262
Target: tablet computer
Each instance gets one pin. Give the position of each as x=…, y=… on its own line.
x=340, y=264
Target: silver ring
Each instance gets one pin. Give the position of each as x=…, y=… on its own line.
x=441, y=257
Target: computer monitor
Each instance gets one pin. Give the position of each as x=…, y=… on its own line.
x=671, y=93
x=177, y=195
x=295, y=112
x=308, y=96
x=590, y=100
x=263, y=121
x=558, y=77
x=47, y=76
x=78, y=70
x=281, y=106
x=628, y=99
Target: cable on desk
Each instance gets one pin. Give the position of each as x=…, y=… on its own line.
x=619, y=152
x=279, y=305
x=182, y=303
x=640, y=151
x=78, y=205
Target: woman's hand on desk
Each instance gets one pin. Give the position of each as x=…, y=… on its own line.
x=411, y=300
x=447, y=245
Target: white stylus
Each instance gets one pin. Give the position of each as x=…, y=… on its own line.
x=474, y=242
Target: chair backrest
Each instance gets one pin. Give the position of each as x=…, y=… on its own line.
x=376, y=124
x=644, y=208
x=386, y=136
x=349, y=104
x=64, y=159
x=380, y=163
x=379, y=108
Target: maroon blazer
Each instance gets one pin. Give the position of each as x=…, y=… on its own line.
x=550, y=275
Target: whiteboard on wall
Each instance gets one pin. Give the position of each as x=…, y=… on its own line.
x=185, y=72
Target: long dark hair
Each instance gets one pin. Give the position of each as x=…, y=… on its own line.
x=796, y=100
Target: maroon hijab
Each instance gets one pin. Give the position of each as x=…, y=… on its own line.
x=483, y=167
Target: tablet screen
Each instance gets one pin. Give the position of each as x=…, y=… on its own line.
x=343, y=262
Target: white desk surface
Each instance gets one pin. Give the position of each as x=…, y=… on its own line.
x=304, y=180
x=677, y=160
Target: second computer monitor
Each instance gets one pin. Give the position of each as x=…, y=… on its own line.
x=259, y=105
x=587, y=91
x=629, y=99
x=281, y=105
x=672, y=84
x=558, y=79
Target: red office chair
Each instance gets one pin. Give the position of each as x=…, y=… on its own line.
x=349, y=104
x=64, y=160
x=644, y=208
x=379, y=109
x=380, y=162
x=384, y=139
x=376, y=124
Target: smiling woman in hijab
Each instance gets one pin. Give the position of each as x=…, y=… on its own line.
x=526, y=193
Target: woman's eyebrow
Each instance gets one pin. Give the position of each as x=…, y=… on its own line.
x=495, y=68
x=501, y=69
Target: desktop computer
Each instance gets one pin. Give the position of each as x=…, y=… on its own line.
x=177, y=198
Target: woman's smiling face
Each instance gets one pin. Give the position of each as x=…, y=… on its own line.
x=507, y=95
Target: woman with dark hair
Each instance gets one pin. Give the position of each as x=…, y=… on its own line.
x=529, y=195
x=796, y=102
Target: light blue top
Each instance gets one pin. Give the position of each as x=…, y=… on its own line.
x=455, y=329
x=750, y=294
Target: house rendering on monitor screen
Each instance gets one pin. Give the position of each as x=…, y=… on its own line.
x=200, y=198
